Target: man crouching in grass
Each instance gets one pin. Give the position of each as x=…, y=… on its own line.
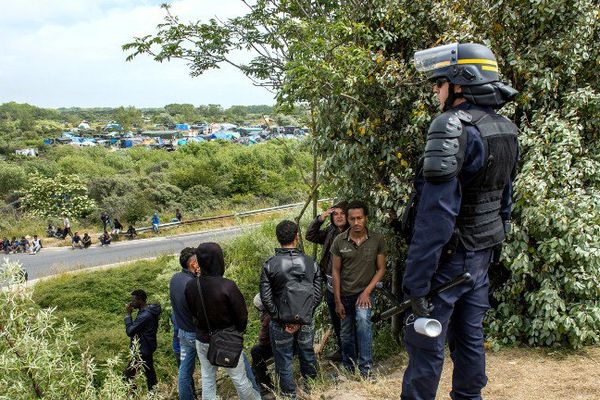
x=290, y=290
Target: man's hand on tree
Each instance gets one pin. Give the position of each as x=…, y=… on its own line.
x=421, y=307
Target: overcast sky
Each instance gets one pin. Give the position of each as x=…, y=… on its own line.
x=67, y=53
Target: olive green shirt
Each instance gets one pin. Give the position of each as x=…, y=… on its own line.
x=359, y=263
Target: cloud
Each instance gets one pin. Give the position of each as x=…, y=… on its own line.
x=63, y=54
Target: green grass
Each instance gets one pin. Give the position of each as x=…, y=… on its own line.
x=95, y=301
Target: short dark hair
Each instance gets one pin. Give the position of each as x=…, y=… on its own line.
x=140, y=294
x=356, y=204
x=286, y=232
x=185, y=256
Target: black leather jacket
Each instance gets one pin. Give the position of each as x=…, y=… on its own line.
x=290, y=286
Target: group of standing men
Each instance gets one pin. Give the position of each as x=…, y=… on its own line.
x=456, y=221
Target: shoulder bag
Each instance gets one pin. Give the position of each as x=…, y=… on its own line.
x=225, y=345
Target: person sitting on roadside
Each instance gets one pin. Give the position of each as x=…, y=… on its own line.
x=87, y=240
x=227, y=309
x=3, y=245
x=13, y=245
x=155, y=222
x=51, y=231
x=36, y=245
x=131, y=232
x=178, y=215
x=76, y=241
x=105, y=239
x=24, y=245
x=262, y=351
x=117, y=227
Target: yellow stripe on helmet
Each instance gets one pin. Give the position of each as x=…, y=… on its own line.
x=477, y=61
x=489, y=68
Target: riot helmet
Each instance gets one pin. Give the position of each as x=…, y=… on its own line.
x=473, y=66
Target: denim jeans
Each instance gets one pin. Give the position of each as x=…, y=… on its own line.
x=283, y=351
x=187, y=358
x=238, y=376
x=357, y=333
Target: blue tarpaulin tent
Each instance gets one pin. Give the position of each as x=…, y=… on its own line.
x=182, y=127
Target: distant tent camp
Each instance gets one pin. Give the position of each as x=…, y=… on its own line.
x=162, y=134
x=224, y=135
x=113, y=126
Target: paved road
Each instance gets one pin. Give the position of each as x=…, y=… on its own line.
x=56, y=260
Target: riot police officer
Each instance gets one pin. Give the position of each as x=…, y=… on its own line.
x=463, y=204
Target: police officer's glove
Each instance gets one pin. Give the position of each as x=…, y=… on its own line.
x=421, y=307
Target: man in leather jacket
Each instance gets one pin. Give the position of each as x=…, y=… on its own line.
x=290, y=290
x=464, y=200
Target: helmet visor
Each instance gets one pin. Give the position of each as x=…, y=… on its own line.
x=437, y=57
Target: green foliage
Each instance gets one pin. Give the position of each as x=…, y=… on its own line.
x=130, y=184
x=129, y=117
x=63, y=194
x=12, y=178
x=352, y=65
x=41, y=353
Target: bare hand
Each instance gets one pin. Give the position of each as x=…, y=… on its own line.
x=340, y=310
x=292, y=328
x=326, y=214
x=128, y=308
x=364, y=300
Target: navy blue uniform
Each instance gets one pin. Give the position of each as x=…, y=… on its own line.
x=460, y=310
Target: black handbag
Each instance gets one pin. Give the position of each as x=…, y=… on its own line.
x=225, y=345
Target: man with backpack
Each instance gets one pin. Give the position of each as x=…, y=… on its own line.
x=290, y=290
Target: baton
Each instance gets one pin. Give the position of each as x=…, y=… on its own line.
x=401, y=306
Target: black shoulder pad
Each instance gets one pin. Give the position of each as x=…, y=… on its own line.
x=444, y=151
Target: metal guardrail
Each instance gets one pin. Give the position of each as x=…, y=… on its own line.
x=225, y=216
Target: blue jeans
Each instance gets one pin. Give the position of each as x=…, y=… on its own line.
x=460, y=310
x=187, y=358
x=283, y=351
x=238, y=376
x=357, y=333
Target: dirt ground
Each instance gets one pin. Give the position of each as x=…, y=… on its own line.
x=515, y=374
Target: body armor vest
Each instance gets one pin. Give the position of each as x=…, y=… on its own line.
x=478, y=223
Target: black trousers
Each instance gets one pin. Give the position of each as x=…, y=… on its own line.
x=148, y=368
x=260, y=356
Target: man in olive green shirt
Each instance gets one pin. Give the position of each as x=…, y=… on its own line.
x=358, y=264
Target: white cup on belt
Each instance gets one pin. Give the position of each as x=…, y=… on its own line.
x=428, y=327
